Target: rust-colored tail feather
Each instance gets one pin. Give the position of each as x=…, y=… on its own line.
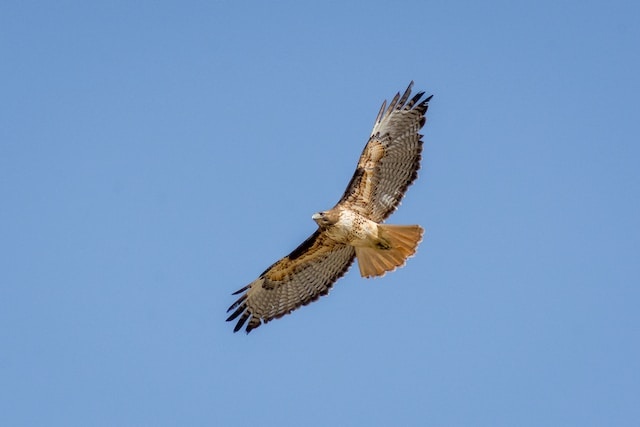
x=399, y=242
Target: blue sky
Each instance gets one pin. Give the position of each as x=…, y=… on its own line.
x=157, y=156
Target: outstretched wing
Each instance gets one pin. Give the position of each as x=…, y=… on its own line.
x=390, y=161
x=296, y=280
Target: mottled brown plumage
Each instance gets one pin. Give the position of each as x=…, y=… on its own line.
x=352, y=228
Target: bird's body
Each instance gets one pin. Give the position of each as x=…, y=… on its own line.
x=353, y=228
x=347, y=227
x=379, y=247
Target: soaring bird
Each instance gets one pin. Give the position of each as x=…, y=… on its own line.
x=354, y=227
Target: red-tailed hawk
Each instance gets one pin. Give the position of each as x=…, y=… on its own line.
x=353, y=227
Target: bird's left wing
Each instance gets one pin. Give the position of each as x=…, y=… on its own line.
x=296, y=280
x=390, y=161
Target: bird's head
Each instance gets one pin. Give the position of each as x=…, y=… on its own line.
x=325, y=218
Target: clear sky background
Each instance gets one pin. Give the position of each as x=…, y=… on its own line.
x=157, y=156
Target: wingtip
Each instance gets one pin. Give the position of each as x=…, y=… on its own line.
x=239, y=291
x=243, y=319
x=237, y=327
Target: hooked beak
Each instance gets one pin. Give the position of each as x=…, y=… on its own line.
x=316, y=216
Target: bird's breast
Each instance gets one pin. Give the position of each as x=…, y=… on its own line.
x=353, y=229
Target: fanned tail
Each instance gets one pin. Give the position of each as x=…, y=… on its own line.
x=396, y=244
